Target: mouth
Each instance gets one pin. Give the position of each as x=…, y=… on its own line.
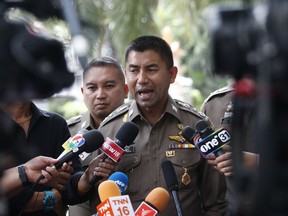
x=101, y=104
x=145, y=94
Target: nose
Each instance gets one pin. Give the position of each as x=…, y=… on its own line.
x=142, y=77
x=100, y=93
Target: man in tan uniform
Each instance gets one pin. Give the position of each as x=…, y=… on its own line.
x=103, y=90
x=218, y=106
x=149, y=72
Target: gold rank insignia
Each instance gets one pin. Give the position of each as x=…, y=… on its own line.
x=180, y=140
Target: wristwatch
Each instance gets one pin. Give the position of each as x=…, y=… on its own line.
x=22, y=175
x=49, y=201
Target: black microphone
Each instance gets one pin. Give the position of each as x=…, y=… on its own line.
x=172, y=183
x=189, y=134
x=88, y=142
x=209, y=142
x=126, y=134
x=203, y=128
x=124, y=137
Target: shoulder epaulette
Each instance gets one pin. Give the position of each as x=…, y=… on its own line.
x=73, y=120
x=117, y=112
x=222, y=90
x=188, y=107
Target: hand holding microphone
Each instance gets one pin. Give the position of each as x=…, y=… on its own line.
x=114, y=149
x=207, y=141
x=97, y=167
x=88, y=142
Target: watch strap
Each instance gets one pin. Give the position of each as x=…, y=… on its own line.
x=49, y=201
x=22, y=175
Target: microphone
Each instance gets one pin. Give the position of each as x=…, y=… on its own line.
x=172, y=183
x=112, y=201
x=155, y=202
x=189, y=134
x=210, y=142
x=121, y=181
x=88, y=142
x=114, y=149
x=71, y=142
x=124, y=137
x=108, y=189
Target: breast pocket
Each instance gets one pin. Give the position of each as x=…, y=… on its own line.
x=128, y=165
x=186, y=163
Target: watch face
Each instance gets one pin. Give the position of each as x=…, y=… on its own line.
x=50, y=201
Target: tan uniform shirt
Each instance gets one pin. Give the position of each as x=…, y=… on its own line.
x=203, y=195
x=75, y=124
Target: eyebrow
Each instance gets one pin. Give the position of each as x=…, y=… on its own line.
x=106, y=82
x=146, y=66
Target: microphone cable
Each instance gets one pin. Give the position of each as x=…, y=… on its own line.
x=30, y=194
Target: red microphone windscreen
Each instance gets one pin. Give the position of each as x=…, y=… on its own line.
x=108, y=189
x=158, y=198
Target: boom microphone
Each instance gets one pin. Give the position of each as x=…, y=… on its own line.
x=87, y=142
x=211, y=142
x=172, y=183
x=121, y=180
x=155, y=202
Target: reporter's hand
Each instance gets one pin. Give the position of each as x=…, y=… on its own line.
x=38, y=166
x=96, y=167
x=64, y=174
x=224, y=163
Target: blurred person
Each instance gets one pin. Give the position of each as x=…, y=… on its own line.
x=103, y=90
x=219, y=107
x=39, y=132
x=149, y=71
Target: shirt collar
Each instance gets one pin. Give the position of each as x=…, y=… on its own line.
x=87, y=121
x=171, y=108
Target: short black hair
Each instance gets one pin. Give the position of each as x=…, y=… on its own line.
x=150, y=42
x=102, y=62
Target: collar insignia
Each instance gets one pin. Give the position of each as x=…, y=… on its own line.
x=174, y=108
x=131, y=112
x=125, y=118
x=83, y=124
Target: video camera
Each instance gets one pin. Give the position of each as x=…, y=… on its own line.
x=32, y=66
x=244, y=38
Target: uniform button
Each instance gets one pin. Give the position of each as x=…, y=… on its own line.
x=184, y=161
x=155, y=180
x=135, y=160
